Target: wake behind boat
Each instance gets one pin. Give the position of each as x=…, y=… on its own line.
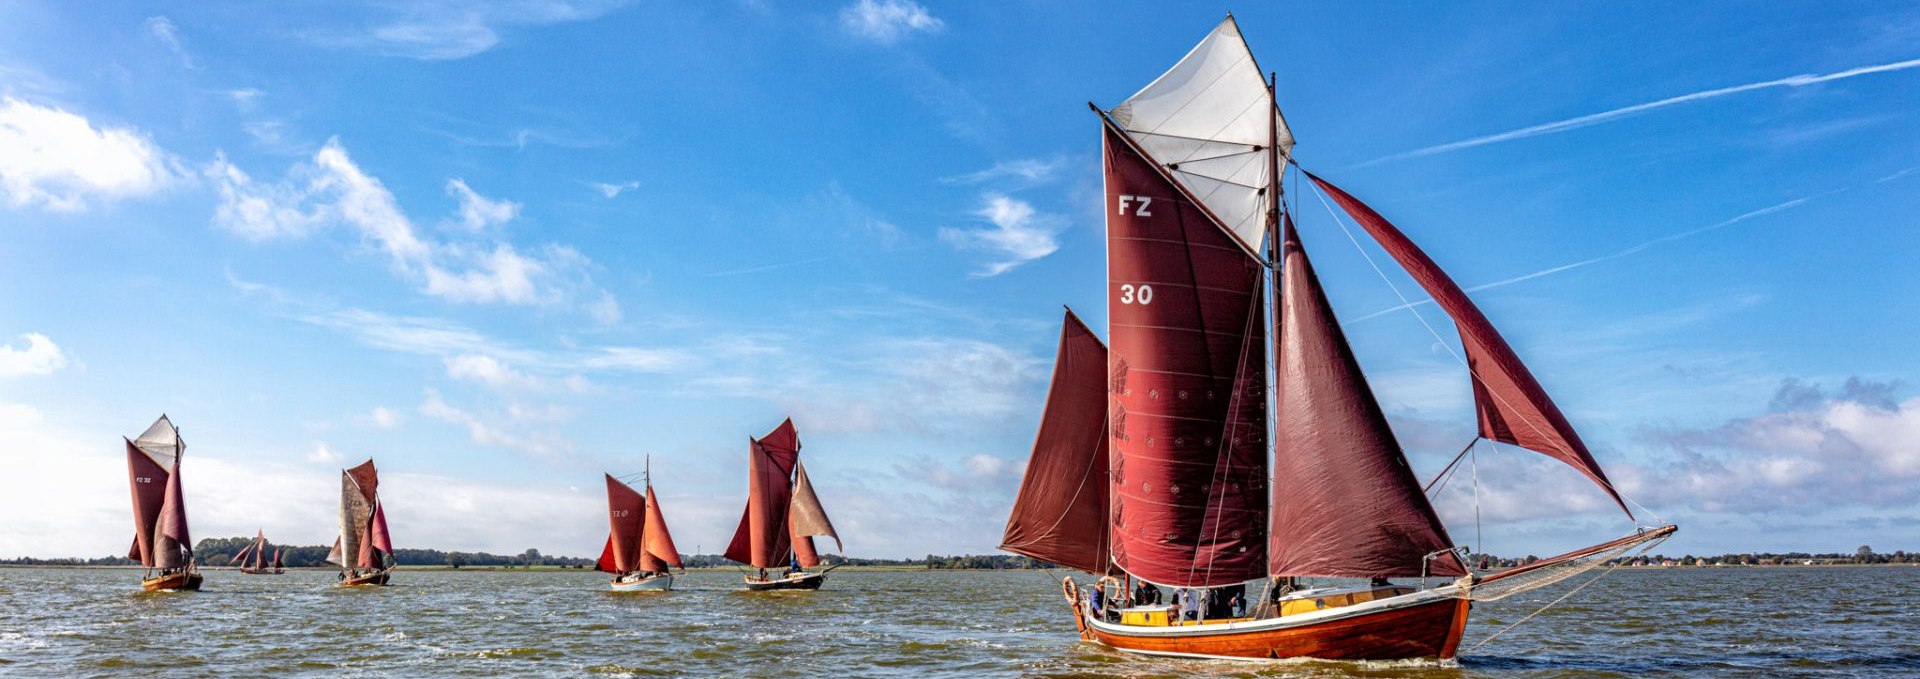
x=364, y=550
x=161, y=540
x=782, y=517
x=639, y=549
x=1151, y=462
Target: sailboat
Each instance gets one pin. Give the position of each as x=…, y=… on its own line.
x=256, y=551
x=639, y=549
x=1151, y=463
x=364, y=550
x=161, y=541
x=782, y=517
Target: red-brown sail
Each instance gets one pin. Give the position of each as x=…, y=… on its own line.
x=1345, y=502
x=381, y=539
x=148, y=481
x=1513, y=408
x=1187, y=415
x=806, y=519
x=626, y=516
x=762, y=538
x=1060, y=514
x=657, y=552
x=277, y=564
x=173, y=543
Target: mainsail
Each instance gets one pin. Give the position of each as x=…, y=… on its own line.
x=1513, y=408
x=762, y=539
x=626, y=514
x=1187, y=411
x=363, y=540
x=1345, y=502
x=161, y=536
x=1208, y=122
x=1060, y=514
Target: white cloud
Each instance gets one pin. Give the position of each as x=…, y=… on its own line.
x=333, y=190
x=920, y=384
x=887, y=21
x=613, y=190
x=439, y=31
x=483, y=431
x=1020, y=234
x=489, y=371
x=1022, y=171
x=39, y=356
x=385, y=418
x=638, y=359
x=61, y=162
x=477, y=212
x=168, y=34
x=323, y=454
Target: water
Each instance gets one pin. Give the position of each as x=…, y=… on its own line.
x=1842, y=622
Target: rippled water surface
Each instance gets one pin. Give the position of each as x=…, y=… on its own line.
x=80, y=622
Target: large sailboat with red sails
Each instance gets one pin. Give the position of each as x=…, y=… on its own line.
x=161, y=541
x=782, y=517
x=253, y=558
x=364, y=549
x=1185, y=455
x=639, y=549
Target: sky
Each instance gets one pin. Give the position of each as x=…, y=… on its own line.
x=503, y=248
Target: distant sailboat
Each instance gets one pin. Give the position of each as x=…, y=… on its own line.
x=782, y=517
x=639, y=549
x=161, y=540
x=256, y=551
x=1151, y=461
x=364, y=550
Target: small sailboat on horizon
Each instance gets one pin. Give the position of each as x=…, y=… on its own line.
x=782, y=517
x=161, y=540
x=256, y=551
x=1152, y=459
x=639, y=549
x=364, y=549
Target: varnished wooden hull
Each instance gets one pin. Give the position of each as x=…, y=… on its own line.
x=1426, y=626
x=803, y=581
x=177, y=582
x=658, y=583
x=369, y=580
x=265, y=571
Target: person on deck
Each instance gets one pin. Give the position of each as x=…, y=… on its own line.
x=1146, y=594
x=1098, y=601
x=1189, y=605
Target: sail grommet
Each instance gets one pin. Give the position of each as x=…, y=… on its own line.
x=1149, y=442
x=1183, y=394
x=1153, y=394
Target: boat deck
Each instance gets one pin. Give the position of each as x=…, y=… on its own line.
x=1295, y=603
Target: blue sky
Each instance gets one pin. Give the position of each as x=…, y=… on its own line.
x=502, y=250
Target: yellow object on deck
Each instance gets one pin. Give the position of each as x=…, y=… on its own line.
x=1318, y=603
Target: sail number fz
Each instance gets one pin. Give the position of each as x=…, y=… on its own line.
x=1138, y=203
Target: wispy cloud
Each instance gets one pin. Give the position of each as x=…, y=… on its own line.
x=40, y=356
x=1019, y=234
x=59, y=161
x=478, y=212
x=887, y=21
x=453, y=30
x=612, y=191
x=1897, y=175
x=1636, y=249
x=1622, y=112
x=168, y=34
x=1022, y=171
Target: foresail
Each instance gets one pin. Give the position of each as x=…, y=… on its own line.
x=1060, y=513
x=1345, y=502
x=1208, y=121
x=806, y=519
x=1187, y=406
x=173, y=542
x=1513, y=408
x=658, y=552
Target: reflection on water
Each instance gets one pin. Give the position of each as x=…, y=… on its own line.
x=1842, y=622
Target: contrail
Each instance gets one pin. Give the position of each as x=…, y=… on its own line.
x=1788, y=205
x=1605, y=116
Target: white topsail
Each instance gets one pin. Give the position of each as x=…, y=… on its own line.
x=161, y=442
x=1205, y=121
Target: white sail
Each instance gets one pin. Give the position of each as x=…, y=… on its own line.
x=1206, y=122
x=161, y=442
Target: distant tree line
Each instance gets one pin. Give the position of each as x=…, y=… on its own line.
x=1862, y=556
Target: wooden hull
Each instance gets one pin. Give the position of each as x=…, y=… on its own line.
x=368, y=580
x=177, y=582
x=658, y=583
x=802, y=581
x=1420, y=625
x=264, y=571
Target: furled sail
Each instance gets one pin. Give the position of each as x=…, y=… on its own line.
x=1060, y=514
x=1345, y=502
x=657, y=552
x=1208, y=121
x=1513, y=408
x=806, y=519
x=762, y=538
x=626, y=516
x=1187, y=409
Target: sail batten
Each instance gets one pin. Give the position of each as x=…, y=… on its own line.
x=1345, y=501
x=1512, y=407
